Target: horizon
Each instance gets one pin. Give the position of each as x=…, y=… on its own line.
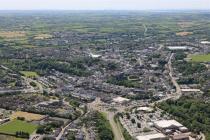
x=103, y=5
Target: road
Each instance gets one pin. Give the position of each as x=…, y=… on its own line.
x=173, y=80
x=63, y=130
x=115, y=128
x=145, y=29
x=39, y=86
x=161, y=46
x=96, y=105
x=140, y=61
x=87, y=137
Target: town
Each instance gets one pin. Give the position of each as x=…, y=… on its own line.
x=104, y=76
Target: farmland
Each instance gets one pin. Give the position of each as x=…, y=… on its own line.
x=16, y=125
x=12, y=34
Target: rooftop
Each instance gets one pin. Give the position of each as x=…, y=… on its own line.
x=120, y=99
x=167, y=123
x=151, y=136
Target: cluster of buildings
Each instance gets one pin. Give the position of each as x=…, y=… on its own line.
x=148, y=123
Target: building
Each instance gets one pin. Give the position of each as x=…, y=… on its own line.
x=120, y=100
x=178, y=47
x=169, y=126
x=180, y=137
x=157, y=136
x=145, y=109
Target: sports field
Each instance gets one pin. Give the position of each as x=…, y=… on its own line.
x=16, y=125
x=201, y=58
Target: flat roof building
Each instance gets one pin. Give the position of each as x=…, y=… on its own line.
x=157, y=136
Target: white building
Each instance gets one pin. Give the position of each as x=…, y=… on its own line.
x=157, y=136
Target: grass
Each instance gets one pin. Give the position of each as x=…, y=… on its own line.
x=16, y=125
x=29, y=73
x=201, y=58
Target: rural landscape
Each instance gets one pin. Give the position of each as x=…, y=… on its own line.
x=104, y=75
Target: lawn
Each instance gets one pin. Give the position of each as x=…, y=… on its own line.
x=201, y=58
x=16, y=125
x=30, y=74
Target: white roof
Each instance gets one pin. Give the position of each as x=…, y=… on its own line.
x=205, y=42
x=167, y=123
x=191, y=90
x=183, y=128
x=120, y=99
x=144, y=109
x=94, y=55
x=151, y=136
x=177, y=47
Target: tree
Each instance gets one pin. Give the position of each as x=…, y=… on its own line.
x=133, y=120
x=138, y=125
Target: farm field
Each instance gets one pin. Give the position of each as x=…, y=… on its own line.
x=29, y=74
x=16, y=125
x=10, y=34
x=27, y=116
x=184, y=33
x=201, y=58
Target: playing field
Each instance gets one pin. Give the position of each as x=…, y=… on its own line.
x=16, y=125
x=30, y=74
x=27, y=116
x=201, y=58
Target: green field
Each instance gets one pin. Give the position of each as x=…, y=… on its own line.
x=30, y=74
x=201, y=58
x=16, y=125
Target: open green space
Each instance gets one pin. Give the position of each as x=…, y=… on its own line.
x=30, y=74
x=16, y=126
x=201, y=58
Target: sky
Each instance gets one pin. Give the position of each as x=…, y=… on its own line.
x=104, y=4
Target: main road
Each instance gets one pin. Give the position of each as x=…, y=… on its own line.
x=173, y=80
x=96, y=105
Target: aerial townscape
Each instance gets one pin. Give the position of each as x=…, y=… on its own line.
x=105, y=75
